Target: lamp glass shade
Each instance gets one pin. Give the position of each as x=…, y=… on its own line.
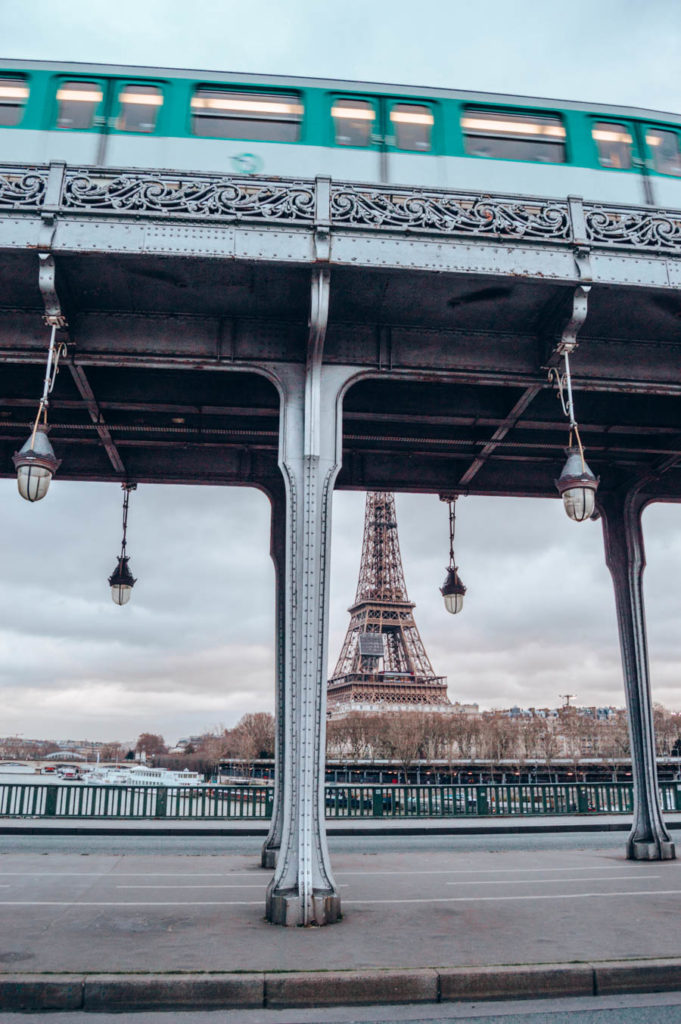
x=33, y=481
x=577, y=486
x=120, y=593
x=453, y=603
x=579, y=502
x=36, y=464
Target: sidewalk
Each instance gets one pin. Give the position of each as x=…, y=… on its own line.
x=109, y=931
x=340, y=826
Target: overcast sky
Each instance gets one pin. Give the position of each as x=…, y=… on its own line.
x=194, y=649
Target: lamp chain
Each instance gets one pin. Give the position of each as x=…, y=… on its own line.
x=55, y=352
x=452, y=527
x=126, y=499
x=564, y=384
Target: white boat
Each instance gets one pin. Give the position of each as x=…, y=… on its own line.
x=141, y=775
x=15, y=768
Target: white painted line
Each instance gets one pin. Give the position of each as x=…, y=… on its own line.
x=262, y=886
x=358, y=902
x=132, y=874
x=180, y=886
x=176, y=903
x=549, y=881
x=499, y=899
x=478, y=871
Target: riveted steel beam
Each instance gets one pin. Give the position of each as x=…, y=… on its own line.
x=87, y=394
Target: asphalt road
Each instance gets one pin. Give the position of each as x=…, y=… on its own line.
x=664, y=1008
x=160, y=904
x=195, y=846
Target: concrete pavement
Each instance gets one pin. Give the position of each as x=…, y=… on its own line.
x=107, y=931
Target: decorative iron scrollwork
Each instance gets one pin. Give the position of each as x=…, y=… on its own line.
x=22, y=191
x=219, y=198
x=372, y=207
x=640, y=229
x=451, y=213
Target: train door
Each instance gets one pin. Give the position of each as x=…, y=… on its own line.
x=130, y=135
x=384, y=139
x=410, y=133
x=619, y=153
x=663, y=161
x=77, y=118
x=357, y=152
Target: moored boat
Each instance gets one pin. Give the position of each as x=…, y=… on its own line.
x=142, y=775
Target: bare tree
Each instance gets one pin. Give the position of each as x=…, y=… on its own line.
x=253, y=736
x=150, y=743
x=464, y=731
x=404, y=736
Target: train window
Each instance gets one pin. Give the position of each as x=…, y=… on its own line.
x=13, y=96
x=274, y=117
x=614, y=144
x=514, y=136
x=413, y=126
x=353, y=122
x=77, y=103
x=138, y=108
x=666, y=151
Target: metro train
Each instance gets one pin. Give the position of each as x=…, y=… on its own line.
x=157, y=118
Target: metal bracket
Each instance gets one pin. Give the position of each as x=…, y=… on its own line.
x=322, y=220
x=580, y=307
x=54, y=317
x=319, y=319
x=51, y=204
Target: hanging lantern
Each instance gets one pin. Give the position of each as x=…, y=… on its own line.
x=36, y=464
x=452, y=589
x=577, y=486
x=121, y=579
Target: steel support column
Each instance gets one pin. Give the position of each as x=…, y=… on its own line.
x=272, y=844
x=303, y=891
x=625, y=558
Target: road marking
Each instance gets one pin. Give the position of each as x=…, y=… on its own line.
x=130, y=874
x=175, y=903
x=478, y=871
x=180, y=886
x=499, y=899
x=357, y=902
x=547, y=881
x=262, y=885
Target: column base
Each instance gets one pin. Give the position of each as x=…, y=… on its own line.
x=286, y=908
x=642, y=850
x=268, y=856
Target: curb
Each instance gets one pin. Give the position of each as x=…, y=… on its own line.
x=99, y=993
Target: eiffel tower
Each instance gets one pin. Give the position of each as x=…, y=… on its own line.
x=383, y=664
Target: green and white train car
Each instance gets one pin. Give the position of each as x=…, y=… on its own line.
x=101, y=115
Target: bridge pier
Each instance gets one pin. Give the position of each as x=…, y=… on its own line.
x=303, y=891
x=625, y=558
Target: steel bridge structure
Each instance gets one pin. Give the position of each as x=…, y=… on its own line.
x=302, y=335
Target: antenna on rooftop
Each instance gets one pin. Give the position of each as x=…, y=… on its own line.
x=567, y=697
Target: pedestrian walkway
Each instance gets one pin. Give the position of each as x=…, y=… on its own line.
x=109, y=931
x=340, y=827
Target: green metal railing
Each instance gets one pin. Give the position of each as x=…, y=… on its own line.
x=52, y=800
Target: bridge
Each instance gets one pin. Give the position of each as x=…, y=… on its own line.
x=301, y=335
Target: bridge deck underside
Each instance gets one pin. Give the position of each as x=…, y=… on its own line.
x=168, y=358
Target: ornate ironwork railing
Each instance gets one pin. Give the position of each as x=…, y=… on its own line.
x=76, y=800
x=218, y=199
